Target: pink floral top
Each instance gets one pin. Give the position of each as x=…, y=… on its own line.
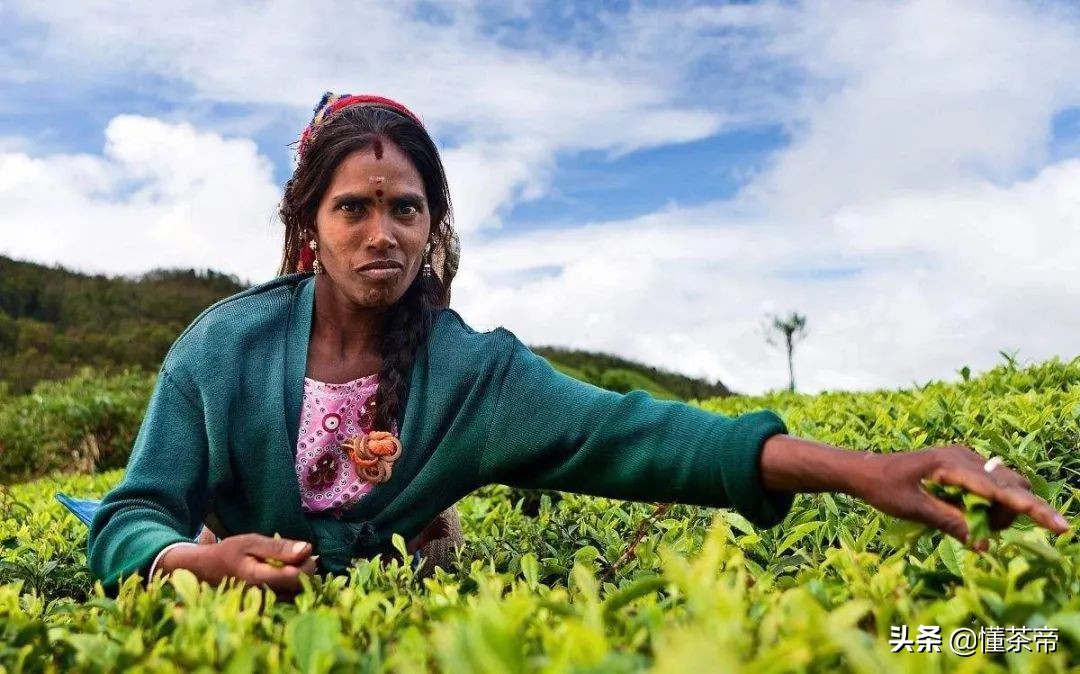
x=330, y=413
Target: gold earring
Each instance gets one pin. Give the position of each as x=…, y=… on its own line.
x=315, y=266
x=427, y=260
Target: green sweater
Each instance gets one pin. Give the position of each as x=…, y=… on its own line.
x=218, y=440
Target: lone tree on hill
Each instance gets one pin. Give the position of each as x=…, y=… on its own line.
x=787, y=332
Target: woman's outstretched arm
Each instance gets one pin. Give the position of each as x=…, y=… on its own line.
x=892, y=483
x=548, y=430
x=551, y=431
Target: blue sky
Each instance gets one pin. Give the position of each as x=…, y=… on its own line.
x=595, y=185
x=650, y=179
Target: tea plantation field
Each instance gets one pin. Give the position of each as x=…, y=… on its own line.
x=538, y=589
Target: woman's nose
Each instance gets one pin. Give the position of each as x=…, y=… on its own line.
x=380, y=233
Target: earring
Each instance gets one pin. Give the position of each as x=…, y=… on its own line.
x=307, y=256
x=427, y=260
x=315, y=266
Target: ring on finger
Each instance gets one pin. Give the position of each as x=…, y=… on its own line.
x=993, y=463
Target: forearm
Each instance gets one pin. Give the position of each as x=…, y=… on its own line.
x=163, y=493
x=182, y=557
x=797, y=465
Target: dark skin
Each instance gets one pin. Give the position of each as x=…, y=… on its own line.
x=374, y=208
x=892, y=483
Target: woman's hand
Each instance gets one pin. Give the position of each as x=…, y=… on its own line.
x=249, y=557
x=893, y=483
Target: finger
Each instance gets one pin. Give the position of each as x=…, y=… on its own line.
x=1014, y=498
x=1001, y=517
x=1007, y=477
x=943, y=516
x=1034, y=507
x=310, y=565
x=1007, y=481
x=285, y=550
x=1015, y=478
x=283, y=579
x=1001, y=473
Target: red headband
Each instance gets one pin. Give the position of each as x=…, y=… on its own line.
x=330, y=103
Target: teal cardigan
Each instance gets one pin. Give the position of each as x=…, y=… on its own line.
x=218, y=439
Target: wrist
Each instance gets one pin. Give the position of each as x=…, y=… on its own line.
x=793, y=464
x=181, y=557
x=864, y=474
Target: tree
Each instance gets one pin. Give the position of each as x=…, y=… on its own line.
x=786, y=333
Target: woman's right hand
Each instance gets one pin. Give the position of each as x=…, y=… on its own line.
x=245, y=557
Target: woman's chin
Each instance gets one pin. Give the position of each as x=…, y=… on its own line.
x=371, y=295
x=374, y=296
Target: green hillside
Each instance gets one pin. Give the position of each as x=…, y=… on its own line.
x=619, y=374
x=54, y=321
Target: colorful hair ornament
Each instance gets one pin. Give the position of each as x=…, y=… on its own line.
x=331, y=103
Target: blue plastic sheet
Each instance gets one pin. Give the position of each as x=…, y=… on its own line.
x=84, y=509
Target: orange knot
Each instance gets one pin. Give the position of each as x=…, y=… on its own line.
x=373, y=454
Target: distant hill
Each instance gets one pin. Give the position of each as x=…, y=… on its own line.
x=619, y=374
x=54, y=320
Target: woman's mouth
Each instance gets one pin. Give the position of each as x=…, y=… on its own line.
x=380, y=273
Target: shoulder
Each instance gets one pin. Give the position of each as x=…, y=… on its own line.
x=484, y=356
x=250, y=315
x=450, y=332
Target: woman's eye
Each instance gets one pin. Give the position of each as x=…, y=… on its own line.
x=352, y=207
x=407, y=210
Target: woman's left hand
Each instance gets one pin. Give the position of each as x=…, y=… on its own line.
x=893, y=483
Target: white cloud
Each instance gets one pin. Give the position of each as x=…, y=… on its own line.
x=919, y=96
x=162, y=195
x=950, y=278
x=511, y=111
x=919, y=154
x=487, y=178
x=915, y=157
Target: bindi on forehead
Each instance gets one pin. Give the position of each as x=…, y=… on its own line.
x=377, y=180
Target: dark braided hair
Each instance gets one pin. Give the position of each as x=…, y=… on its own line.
x=410, y=318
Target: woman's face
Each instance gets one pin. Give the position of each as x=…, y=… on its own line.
x=374, y=209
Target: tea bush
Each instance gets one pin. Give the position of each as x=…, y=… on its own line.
x=84, y=423
x=703, y=591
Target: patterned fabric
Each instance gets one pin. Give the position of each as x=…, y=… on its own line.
x=331, y=103
x=331, y=413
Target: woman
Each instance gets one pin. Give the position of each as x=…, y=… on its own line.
x=344, y=401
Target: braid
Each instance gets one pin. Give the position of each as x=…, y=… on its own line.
x=407, y=328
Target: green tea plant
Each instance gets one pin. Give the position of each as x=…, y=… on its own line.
x=83, y=423
x=555, y=589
